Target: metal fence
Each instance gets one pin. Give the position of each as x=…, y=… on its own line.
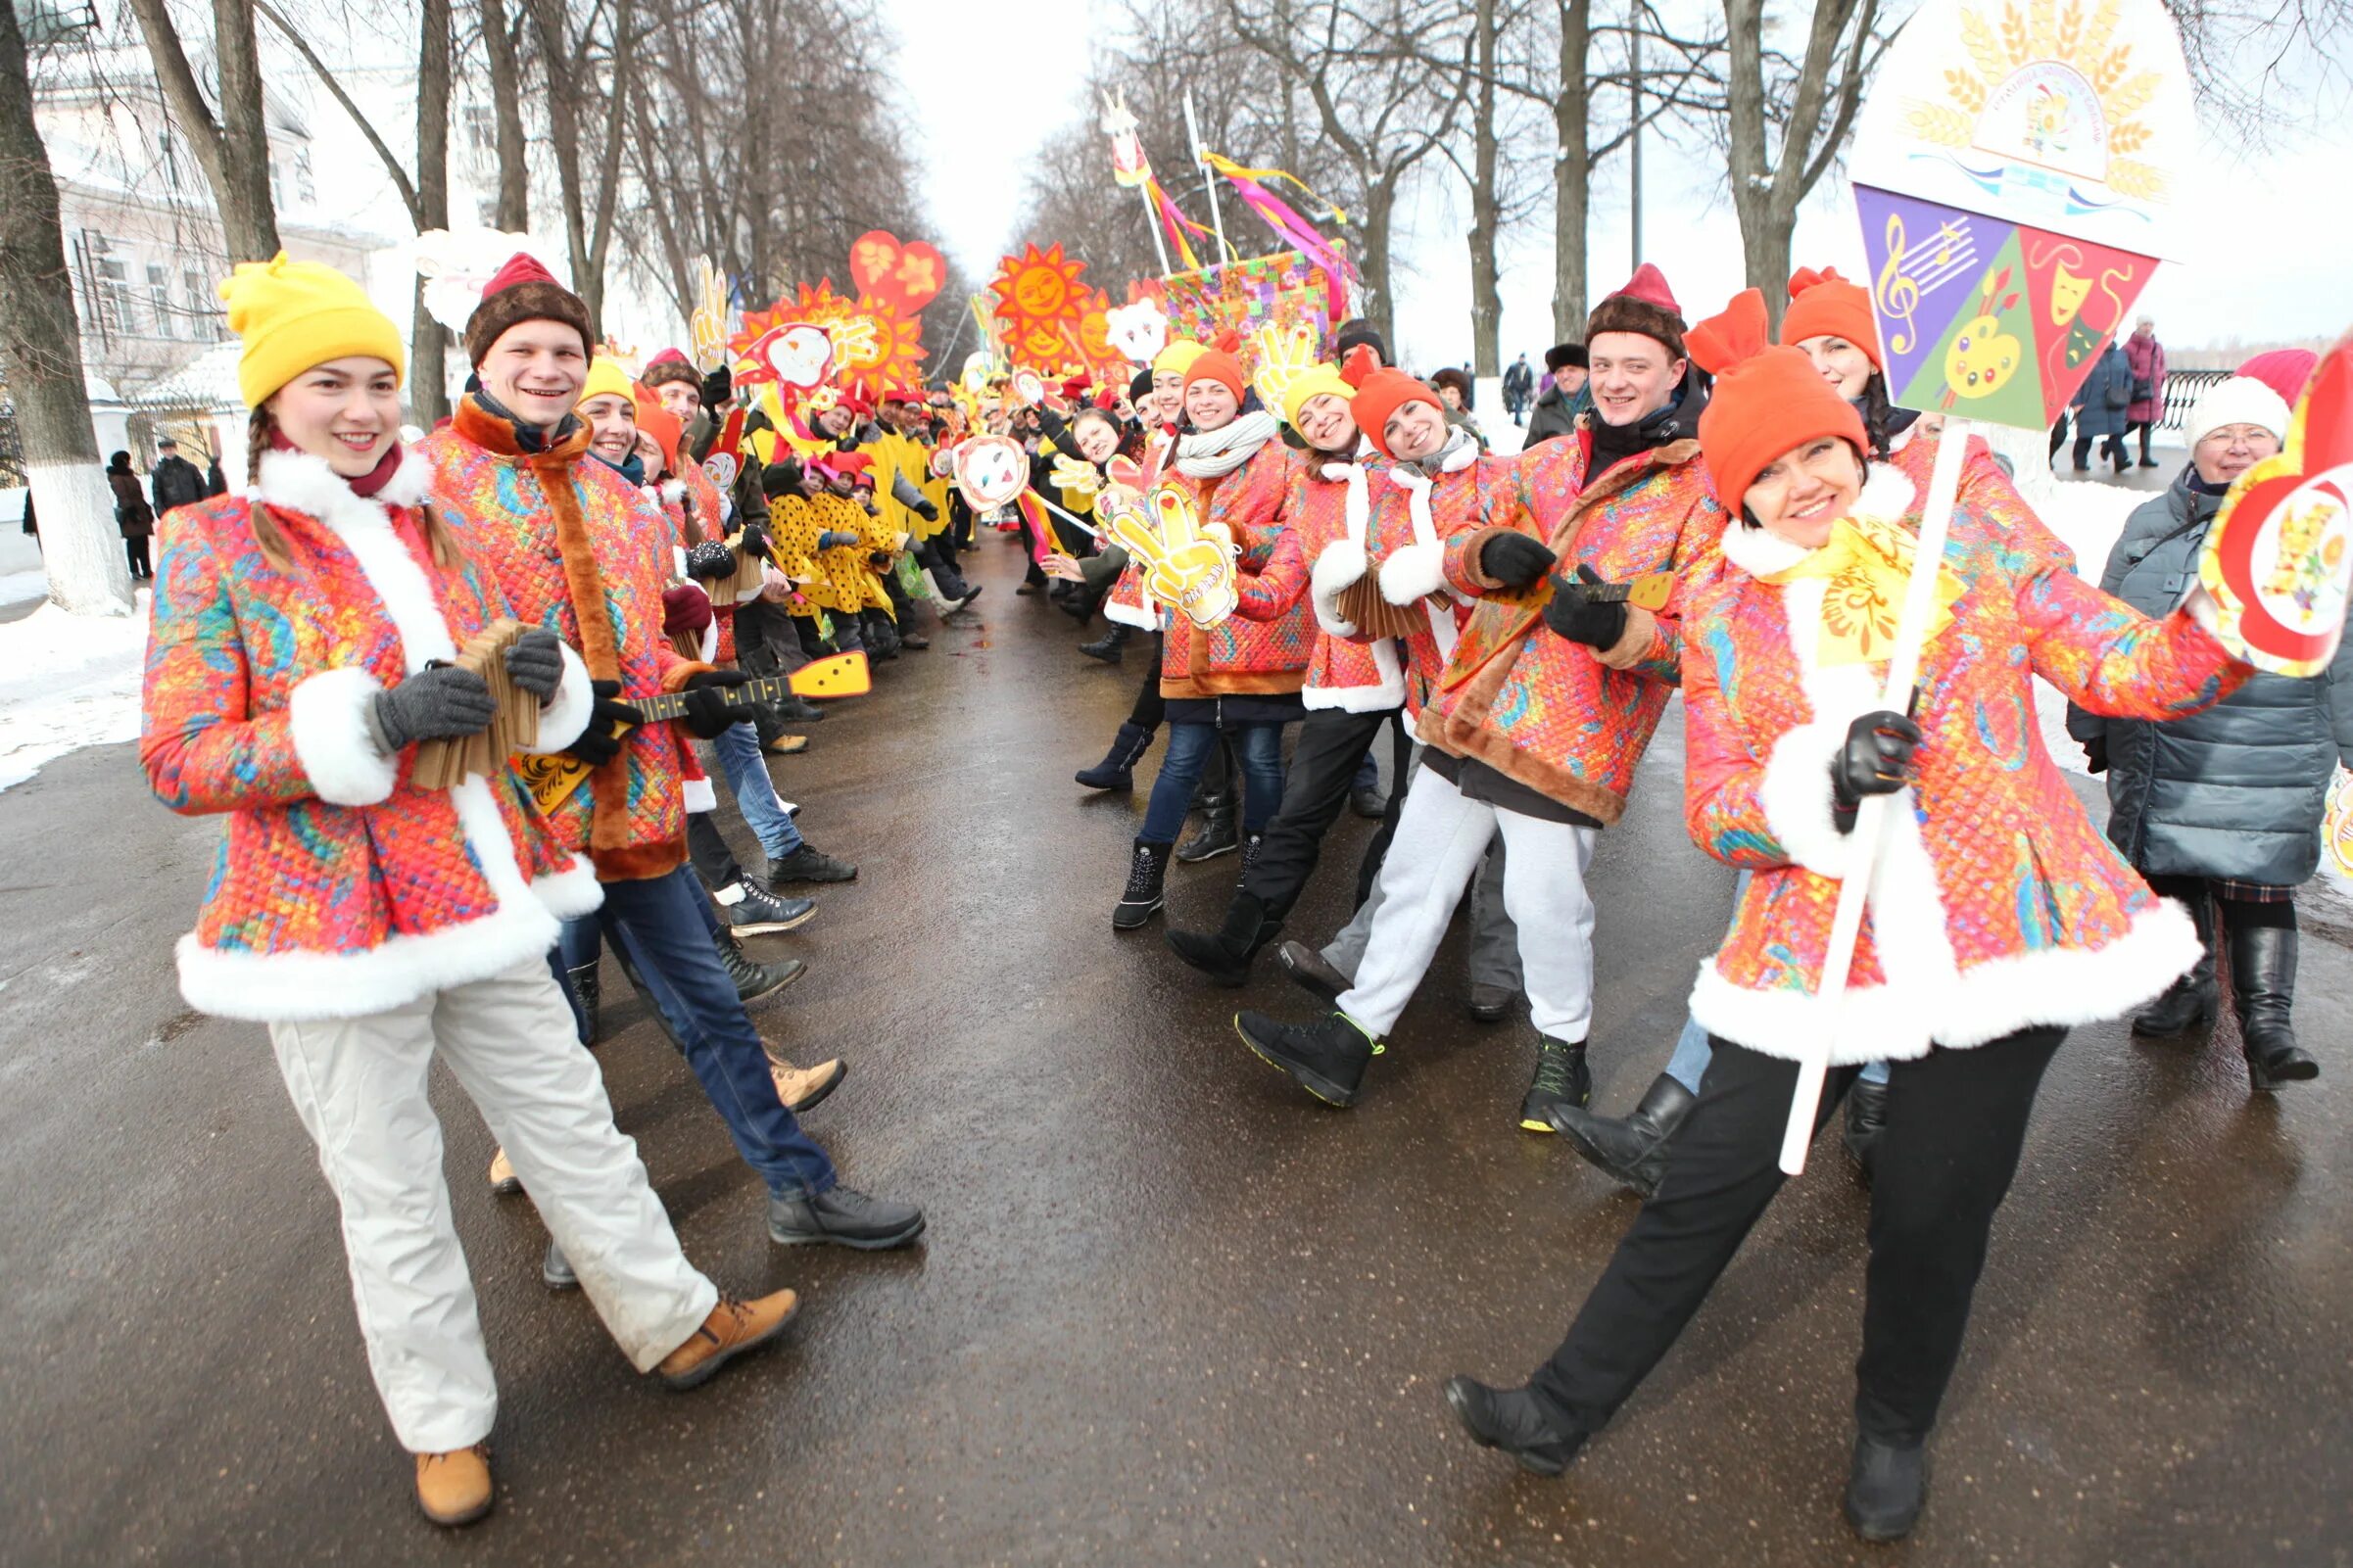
x=12, y=446
x=2183, y=389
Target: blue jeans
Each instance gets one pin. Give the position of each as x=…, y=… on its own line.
x=747, y=769
x=1258, y=747
x=665, y=927
x=1689, y=1064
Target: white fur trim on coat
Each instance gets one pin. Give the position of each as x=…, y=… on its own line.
x=1144, y=617
x=1414, y=572
x=326, y=718
x=1339, y=567
x=1390, y=694
x=571, y=892
x=567, y=714
x=700, y=796
x=1797, y=802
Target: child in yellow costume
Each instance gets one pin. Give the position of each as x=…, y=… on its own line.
x=864, y=560
x=826, y=618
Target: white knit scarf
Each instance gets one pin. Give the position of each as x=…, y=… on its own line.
x=1214, y=454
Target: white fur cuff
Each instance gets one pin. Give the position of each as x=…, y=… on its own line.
x=1413, y=573
x=567, y=714
x=1339, y=567
x=700, y=796
x=326, y=718
x=1795, y=797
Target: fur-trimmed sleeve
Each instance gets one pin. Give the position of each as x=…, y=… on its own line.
x=1750, y=811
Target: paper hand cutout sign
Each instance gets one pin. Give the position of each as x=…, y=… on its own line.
x=1284, y=354
x=991, y=470
x=1187, y=565
x=2279, y=559
x=710, y=324
x=1074, y=477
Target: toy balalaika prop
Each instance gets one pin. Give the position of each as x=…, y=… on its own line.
x=552, y=778
x=441, y=763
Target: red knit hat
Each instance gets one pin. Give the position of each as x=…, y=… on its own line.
x=523, y=291
x=1824, y=303
x=1381, y=392
x=852, y=463
x=1646, y=305
x=2284, y=370
x=1767, y=400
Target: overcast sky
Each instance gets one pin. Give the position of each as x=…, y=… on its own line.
x=987, y=79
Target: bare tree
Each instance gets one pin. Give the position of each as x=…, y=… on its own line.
x=506, y=107
x=572, y=64
x=41, y=355
x=233, y=149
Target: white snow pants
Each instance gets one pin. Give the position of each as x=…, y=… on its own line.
x=1437, y=847
x=358, y=1085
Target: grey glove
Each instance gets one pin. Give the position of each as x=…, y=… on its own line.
x=536, y=663
x=432, y=704
x=836, y=538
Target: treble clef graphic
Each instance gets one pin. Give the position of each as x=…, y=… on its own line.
x=1897, y=293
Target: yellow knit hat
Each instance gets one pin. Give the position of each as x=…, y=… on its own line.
x=1177, y=358
x=1312, y=382
x=605, y=378
x=296, y=315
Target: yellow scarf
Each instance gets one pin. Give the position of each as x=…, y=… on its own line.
x=1865, y=564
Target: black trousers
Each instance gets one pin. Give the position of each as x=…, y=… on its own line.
x=1330, y=748
x=937, y=557
x=1150, y=709
x=714, y=861
x=1955, y=1121
x=134, y=550
x=2147, y=427
x=766, y=644
x=2111, y=447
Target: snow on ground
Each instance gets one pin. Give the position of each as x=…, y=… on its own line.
x=67, y=682
x=22, y=588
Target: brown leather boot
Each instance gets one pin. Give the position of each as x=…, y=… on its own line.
x=802, y=1088
x=455, y=1488
x=733, y=1328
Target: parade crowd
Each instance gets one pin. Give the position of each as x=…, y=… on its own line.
x=1711, y=508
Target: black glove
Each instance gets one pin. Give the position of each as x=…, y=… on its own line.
x=757, y=421
x=433, y=704
x=535, y=662
x=1572, y=613
x=1515, y=560
x=707, y=714
x=2096, y=754
x=598, y=744
x=927, y=512
x=1876, y=760
x=717, y=388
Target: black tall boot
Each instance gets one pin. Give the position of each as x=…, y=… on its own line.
x=2189, y=1003
x=1630, y=1149
x=1117, y=771
x=2263, y=989
x=1218, y=799
x=1107, y=647
x=587, y=989
x=1224, y=955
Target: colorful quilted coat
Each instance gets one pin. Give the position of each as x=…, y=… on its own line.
x=1564, y=719
x=1331, y=504
x=1988, y=494
x=1995, y=905
x=1264, y=646
x=339, y=888
x=558, y=530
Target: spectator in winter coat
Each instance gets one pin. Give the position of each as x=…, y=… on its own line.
x=132, y=515
x=2222, y=810
x=2100, y=407
x=176, y=481
x=2146, y=357
x=1454, y=394
x=1520, y=387
x=1563, y=395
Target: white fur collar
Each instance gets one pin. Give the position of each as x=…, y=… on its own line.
x=1886, y=496
x=301, y=482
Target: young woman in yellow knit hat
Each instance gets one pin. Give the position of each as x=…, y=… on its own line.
x=304, y=643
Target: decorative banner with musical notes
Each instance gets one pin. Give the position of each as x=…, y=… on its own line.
x=2279, y=559
x=1986, y=318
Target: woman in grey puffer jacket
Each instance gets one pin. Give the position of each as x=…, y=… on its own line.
x=2224, y=808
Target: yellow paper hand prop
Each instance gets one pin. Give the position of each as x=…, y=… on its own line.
x=1187, y=566
x=1284, y=354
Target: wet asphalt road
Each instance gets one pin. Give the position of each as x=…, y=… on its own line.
x=1168, y=1310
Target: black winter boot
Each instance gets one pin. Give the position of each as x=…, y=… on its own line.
x=2263, y=989
x=588, y=988
x=1225, y=954
x=1866, y=1117
x=756, y=980
x=1325, y=1058
x=1512, y=1421
x=1117, y=771
x=1631, y=1149
x=1562, y=1080
x=1107, y=647
x=1146, y=870
x=1219, y=835
x=2190, y=1002
x=1886, y=1488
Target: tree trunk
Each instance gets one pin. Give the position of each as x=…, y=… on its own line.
x=1486, y=301
x=1572, y=172
x=507, y=101
x=1751, y=179
x=1380, y=308
x=428, y=339
x=549, y=20
x=40, y=356
x=233, y=153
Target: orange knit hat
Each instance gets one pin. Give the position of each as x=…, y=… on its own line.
x=1217, y=364
x=661, y=424
x=1381, y=392
x=1826, y=304
x=1767, y=400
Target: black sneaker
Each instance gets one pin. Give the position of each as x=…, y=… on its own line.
x=758, y=911
x=1562, y=1080
x=1510, y=1419
x=1325, y=1058
x=1140, y=900
x=842, y=1218
x=809, y=864
x=757, y=981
